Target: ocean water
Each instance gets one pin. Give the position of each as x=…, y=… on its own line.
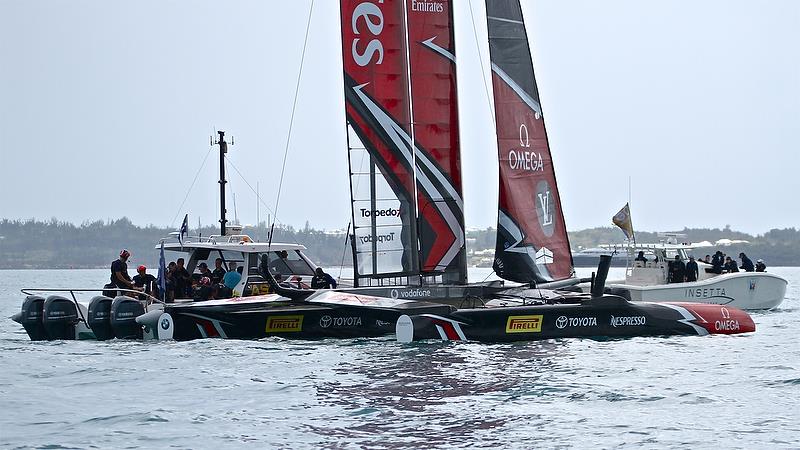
x=678, y=392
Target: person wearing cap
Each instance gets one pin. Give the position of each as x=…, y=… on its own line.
x=730, y=265
x=692, y=272
x=119, y=271
x=145, y=281
x=747, y=264
x=322, y=280
x=760, y=266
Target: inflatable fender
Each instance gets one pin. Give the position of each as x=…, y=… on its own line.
x=157, y=325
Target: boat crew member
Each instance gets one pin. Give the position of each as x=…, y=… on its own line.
x=640, y=257
x=182, y=279
x=707, y=259
x=717, y=263
x=204, y=272
x=747, y=264
x=730, y=265
x=145, y=281
x=677, y=269
x=203, y=291
x=119, y=271
x=760, y=266
x=232, y=277
x=691, y=270
x=279, y=279
x=219, y=272
x=322, y=280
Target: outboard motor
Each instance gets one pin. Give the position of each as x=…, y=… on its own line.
x=31, y=317
x=60, y=315
x=99, y=317
x=124, y=311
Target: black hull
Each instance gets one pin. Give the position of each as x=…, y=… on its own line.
x=292, y=321
x=606, y=317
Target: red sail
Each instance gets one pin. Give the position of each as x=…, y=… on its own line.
x=532, y=243
x=380, y=152
x=436, y=141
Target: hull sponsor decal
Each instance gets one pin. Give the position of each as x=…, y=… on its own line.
x=575, y=322
x=628, y=321
x=524, y=324
x=327, y=321
x=284, y=324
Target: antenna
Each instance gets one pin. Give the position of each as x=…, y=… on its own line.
x=223, y=149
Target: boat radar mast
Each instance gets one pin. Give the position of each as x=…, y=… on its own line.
x=223, y=149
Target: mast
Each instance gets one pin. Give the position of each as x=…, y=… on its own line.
x=223, y=149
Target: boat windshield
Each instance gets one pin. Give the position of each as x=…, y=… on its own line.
x=288, y=263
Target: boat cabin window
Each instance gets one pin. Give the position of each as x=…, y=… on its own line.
x=288, y=263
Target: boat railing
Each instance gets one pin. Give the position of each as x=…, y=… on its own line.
x=149, y=299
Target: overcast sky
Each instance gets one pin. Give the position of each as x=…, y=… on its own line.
x=106, y=109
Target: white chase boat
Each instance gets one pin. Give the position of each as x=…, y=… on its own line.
x=649, y=281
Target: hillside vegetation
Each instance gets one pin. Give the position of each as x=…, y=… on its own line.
x=57, y=244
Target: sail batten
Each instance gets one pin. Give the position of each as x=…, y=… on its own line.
x=532, y=244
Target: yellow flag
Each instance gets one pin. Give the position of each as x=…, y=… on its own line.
x=622, y=219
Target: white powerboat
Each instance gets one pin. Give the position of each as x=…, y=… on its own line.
x=648, y=281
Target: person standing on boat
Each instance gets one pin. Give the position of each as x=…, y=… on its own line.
x=677, y=270
x=692, y=272
x=747, y=264
x=322, y=280
x=219, y=272
x=717, y=262
x=182, y=279
x=760, y=266
x=640, y=257
x=145, y=281
x=119, y=271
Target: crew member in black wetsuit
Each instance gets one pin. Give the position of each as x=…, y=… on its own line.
x=322, y=280
x=747, y=264
x=760, y=266
x=145, y=281
x=692, y=271
x=677, y=269
x=119, y=271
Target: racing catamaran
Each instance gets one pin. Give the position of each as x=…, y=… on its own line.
x=407, y=215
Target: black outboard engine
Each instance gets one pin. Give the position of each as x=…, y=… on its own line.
x=124, y=311
x=60, y=317
x=99, y=317
x=31, y=317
